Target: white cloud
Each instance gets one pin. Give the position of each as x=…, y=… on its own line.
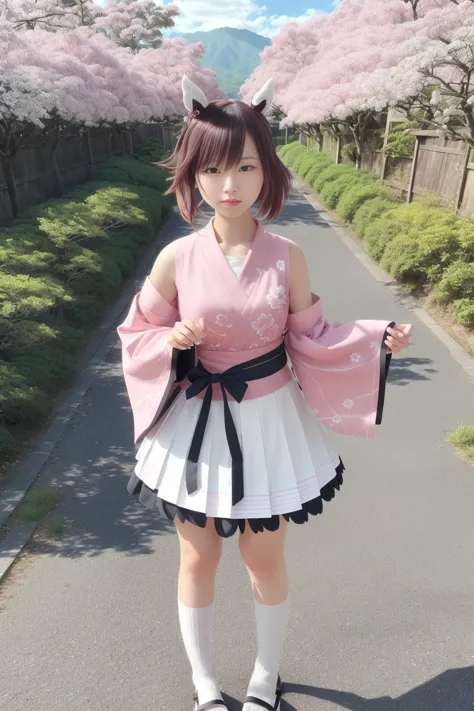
x=201, y=15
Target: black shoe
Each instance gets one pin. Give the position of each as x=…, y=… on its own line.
x=208, y=704
x=279, y=692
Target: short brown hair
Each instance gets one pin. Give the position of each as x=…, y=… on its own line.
x=217, y=137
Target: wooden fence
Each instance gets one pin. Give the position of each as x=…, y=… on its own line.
x=440, y=167
x=35, y=175
x=38, y=176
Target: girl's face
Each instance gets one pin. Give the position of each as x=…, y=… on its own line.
x=242, y=183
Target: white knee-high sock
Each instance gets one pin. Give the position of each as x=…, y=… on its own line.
x=271, y=627
x=196, y=631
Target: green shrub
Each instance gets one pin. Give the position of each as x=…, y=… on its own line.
x=330, y=173
x=399, y=142
x=313, y=161
x=380, y=233
x=354, y=198
x=24, y=249
x=369, y=211
x=20, y=402
x=463, y=311
x=152, y=151
x=49, y=365
x=51, y=333
x=332, y=192
x=422, y=225
x=284, y=149
x=95, y=279
x=66, y=221
x=457, y=282
x=299, y=158
x=7, y=441
x=28, y=297
x=61, y=264
x=293, y=153
x=312, y=174
x=306, y=164
x=124, y=170
x=465, y=228
x=119, y=206
x=424, y=248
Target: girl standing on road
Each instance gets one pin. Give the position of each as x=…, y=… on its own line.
x=231, y=440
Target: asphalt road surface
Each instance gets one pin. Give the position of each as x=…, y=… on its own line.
x=382, y=584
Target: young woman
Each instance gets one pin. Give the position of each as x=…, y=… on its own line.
x=232, y=437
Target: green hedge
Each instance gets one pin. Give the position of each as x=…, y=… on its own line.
x=421, y=244
x=61, y=264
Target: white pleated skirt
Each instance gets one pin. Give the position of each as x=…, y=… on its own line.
x=288, y=456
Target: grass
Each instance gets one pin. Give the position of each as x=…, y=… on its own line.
x=55, y=527
x=462, y=438
x=39, y=502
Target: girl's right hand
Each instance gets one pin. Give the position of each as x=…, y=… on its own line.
x=186, y=334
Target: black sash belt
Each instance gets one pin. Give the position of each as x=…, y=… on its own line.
x=233, y=381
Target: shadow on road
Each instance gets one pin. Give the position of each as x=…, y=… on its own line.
x=453, y=690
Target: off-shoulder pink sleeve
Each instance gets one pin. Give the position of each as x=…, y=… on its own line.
x=341, y=368
x=148, y=368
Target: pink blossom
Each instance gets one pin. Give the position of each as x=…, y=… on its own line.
x=263, y=321
x=223, y=320
x=269, y=333
x=277, y=297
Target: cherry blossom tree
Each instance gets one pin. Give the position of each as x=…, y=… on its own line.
x=166, y=67
x=52, y=81
x=135, y=24
x=368, y=56
x=51, y=15
x=349, y=43
x=292, y=49
x=432, y=72
x=129, y=23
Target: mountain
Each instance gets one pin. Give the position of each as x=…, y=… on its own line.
x=233, y=54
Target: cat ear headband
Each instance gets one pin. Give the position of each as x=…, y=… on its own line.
x=195, y=100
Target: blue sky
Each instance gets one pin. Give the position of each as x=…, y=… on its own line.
x=265, y=18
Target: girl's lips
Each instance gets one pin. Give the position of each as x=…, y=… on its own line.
x=231, y=202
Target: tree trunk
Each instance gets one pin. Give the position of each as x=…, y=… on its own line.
x=56, y=169
x=7, y=163
x=130, y=144
x=89, y=148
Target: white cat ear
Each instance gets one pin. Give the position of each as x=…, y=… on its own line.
x=190, y=92
x=265, y=94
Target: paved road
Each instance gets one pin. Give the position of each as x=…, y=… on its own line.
x=382, y=587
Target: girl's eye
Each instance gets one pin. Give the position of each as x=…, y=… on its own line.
x=252, y=167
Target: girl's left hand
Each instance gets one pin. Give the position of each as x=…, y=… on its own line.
x=399, y=337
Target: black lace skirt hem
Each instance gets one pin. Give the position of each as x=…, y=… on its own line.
x=226, y=527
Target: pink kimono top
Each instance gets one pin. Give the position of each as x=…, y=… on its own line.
x=341, y=368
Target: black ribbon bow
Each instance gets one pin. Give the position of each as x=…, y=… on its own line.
x=236, y=386
x=232, y=381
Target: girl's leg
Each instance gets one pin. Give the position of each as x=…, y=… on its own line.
x=200, y=553
x=264, y=557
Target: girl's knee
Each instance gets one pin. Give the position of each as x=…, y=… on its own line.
x=263, y=551
x=200, y=548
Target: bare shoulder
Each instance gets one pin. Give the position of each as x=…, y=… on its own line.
x=165, y=259
x=297, y=258
x=300, y=289
x=163, y=272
